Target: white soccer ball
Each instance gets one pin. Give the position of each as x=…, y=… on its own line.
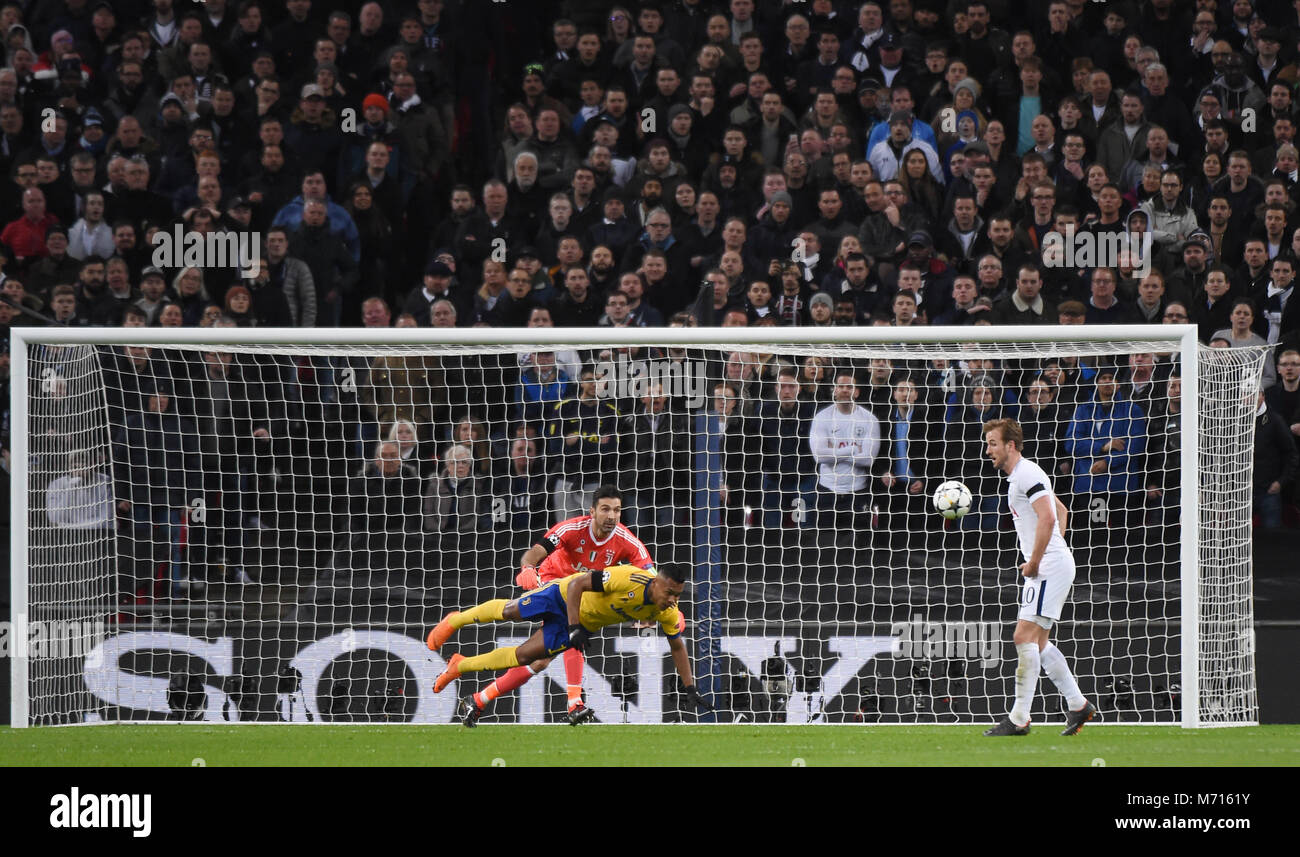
x=952, y=500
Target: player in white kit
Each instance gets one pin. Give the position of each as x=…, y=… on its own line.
x=1048, y=573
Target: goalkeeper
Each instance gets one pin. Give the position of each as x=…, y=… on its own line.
x=571, y=610
x=585, y=543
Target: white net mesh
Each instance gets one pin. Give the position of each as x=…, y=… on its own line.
x=1229, y=380
x=69, y=520
x=288, y=521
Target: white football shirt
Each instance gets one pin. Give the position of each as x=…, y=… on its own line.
x=844, y=447
x=1028, y=482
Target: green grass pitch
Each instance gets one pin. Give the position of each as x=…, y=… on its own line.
x=614, y=745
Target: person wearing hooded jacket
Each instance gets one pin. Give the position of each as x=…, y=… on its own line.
x=773, y=236
x=688, y=148
x=1106, y=435
x=1237, y=92
x=886, y=157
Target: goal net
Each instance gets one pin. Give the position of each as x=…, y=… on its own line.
x=236, y=525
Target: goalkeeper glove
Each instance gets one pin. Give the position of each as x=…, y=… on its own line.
x=696, y=698
x=578, y=638
x=528, y=577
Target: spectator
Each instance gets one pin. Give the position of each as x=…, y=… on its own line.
x=640, y=313
x=157, y=470
x=26, y=235
x=1212, y=306
x=1241, y=335
x=523, y=489
x=377, y=266
x=1106, y=438
x=58, y=266
x=657, y=470
x=1040, y=417
x=1279, y=316
x=385, y=494
x=90, y=235
x=1103, y=306
x=1026, y=304
x=454, y=499
x=153, y=286
x=1284, y=397
x=968, y=305
x=241, y=413
x=1140, y=385
x=485, y=230
x=740, y=442
x=437, y=285
x=334, y=271
x=578, y=306
x=789, y=477
x=1275, y=464
x=583, y=437
x=191, y=294
x=913, y=446
x=844, y=440
x=963, y=439
x=541, y=385
x=470, y=431
x=82, y=499
x=340, y=224
x=1163, y=465
x=1150, y=305
x=269, y=306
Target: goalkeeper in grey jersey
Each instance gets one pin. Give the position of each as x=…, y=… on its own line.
x=1048, y=573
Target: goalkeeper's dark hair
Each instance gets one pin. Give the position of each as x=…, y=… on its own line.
x=606, y=492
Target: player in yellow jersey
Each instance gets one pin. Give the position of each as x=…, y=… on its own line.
x=571, y=610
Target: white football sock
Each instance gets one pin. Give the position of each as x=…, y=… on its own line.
x=1059, y=672
x=1027, y=666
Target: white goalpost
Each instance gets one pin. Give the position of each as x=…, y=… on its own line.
x=259, y=525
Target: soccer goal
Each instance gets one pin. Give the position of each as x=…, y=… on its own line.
x=261, y=525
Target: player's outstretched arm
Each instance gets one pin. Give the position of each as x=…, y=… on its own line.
x=682, y=660
x=528, y=577
x=578, y=635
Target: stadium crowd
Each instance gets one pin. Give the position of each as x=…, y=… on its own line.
x=674, y=162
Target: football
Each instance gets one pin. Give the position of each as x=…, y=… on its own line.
x=952, y=500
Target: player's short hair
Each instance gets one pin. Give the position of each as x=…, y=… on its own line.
x=675, y=572
x=1010, y=430
x=606, y=492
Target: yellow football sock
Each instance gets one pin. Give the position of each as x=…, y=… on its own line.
x=497, y=659
x=488, y=611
